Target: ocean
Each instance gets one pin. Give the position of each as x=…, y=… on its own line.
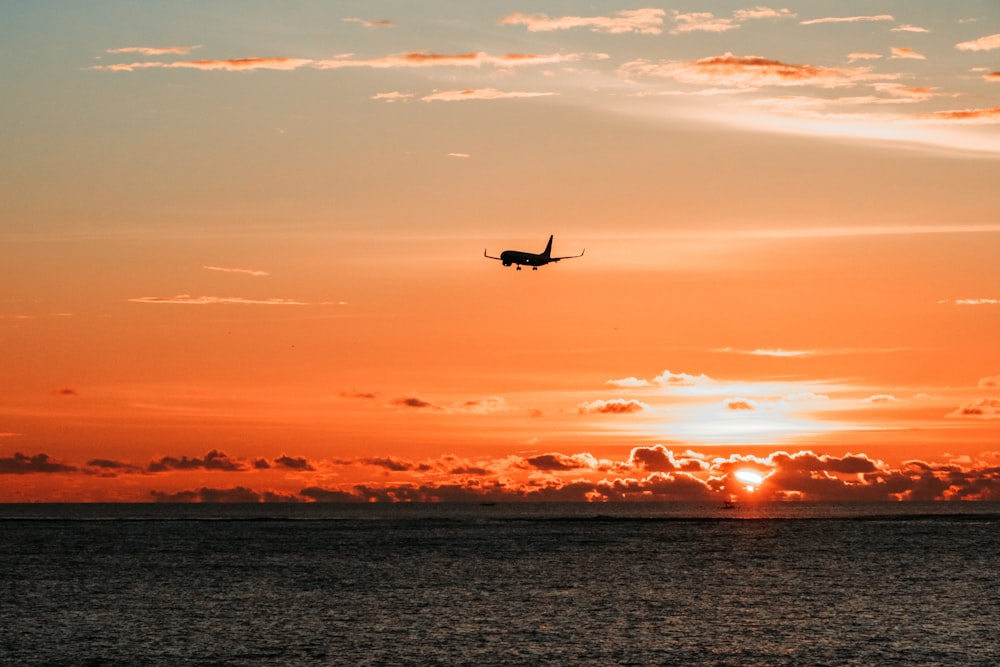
x=506, y=584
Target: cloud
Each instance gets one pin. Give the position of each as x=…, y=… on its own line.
x=660, y=459
x=747, y=72
x=114, y=466
x=971, y=302
x=771, y=352
x=250, y=272
x=479, y=94
x=861, y=55
x=155, y=51
x=380, y=23
x=906, y=27
x=881, y=398
x=905, y=53
x=848, y=19
x=984, y=408
x=238, y=494
x=987, y=43
x=411, y=402
x=394, y=464
x=359, y=394
x=708, y=22
x=293, y=463
x=763, y=13
x=989, y=382
x=992, y=76
x=641, y=21
x=741, y=405
x=479, y=406
x=214, y=460
x=553, y=462
x=391, y=97
x=701, y=22
x=66, y=391
x=668, y=379
x=629, y=383
x=616, y=406
x=412, y=59
x=187, y=299
x=459, y=155
x=966, y=115
x=21, y=464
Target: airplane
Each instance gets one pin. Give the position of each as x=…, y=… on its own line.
x=531, y=259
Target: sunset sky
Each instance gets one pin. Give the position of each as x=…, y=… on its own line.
x=242, y=251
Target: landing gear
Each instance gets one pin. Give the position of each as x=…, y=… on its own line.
x=518, y=267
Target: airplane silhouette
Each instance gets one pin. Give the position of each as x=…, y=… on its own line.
x=531, y=259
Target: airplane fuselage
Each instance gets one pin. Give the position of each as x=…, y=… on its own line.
x=508, y=257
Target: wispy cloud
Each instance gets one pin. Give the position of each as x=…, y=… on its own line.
x=988, y=43
x=984, y=408
x=187, y=299
x=250, y=272
x=972, y=302
x=642, y=21
x=749, y=72
x=413, y=59
x=479, y=94
x=906, y=27
x=849, y=19
x=393, y=96
x=379, y=23
x=707, y=22
x=616, y=406
x=155, y=51
x=903, y=52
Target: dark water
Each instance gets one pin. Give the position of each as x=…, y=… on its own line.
x=500, y=585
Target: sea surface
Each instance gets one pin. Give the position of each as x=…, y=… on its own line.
x=505, y=584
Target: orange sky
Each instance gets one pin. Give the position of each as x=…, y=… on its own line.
x=242, y=251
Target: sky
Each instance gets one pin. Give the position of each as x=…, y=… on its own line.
x=241, y=251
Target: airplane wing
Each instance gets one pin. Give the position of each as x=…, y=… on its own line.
x=489, y=256
x=556, y=259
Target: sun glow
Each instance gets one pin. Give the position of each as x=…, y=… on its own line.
x=751, y=478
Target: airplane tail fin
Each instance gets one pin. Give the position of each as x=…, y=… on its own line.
x=548, y=248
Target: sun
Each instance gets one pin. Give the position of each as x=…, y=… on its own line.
x=751, y=478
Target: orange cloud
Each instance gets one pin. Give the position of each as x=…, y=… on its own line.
x=903, y=52
x=992, y=76
x=861, y=55
x=479, y=94
x=984, y=408
x=973, y=115
x=616, y=406
x=395, y=61
x=701, y=22
x=641, y=21
x=906, y=27
x=708, y=22
x=748, y=72
x=187, y=299
x=987, y=43
x=155, y=51
x=380, y=23
x=250, y=272
x=649, y=473
x=849, y=19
